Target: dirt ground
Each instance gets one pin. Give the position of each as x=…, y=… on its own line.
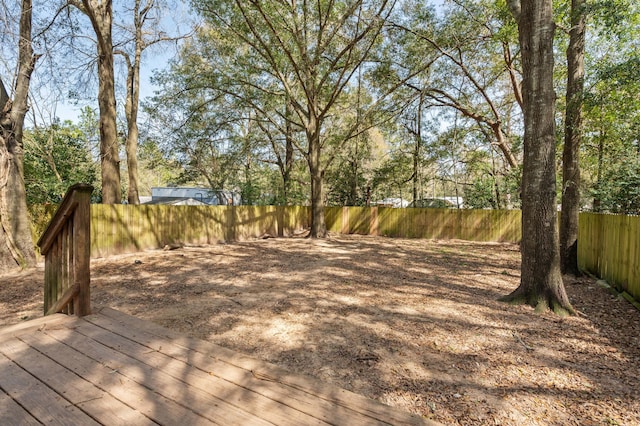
x=412, y=323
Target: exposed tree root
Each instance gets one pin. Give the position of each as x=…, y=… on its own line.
x=540, y=302
x=514, y=299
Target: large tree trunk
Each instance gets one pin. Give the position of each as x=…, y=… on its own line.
x=541, y=283
x=100, y=13
x=16, y=244
x=572, y=140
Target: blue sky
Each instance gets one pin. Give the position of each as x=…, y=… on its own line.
x=71, y=111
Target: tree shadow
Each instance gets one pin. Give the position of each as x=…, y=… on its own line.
x=410, y=322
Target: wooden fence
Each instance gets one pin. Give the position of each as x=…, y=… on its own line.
x=127, y=228
x=470, y=225
x=609, y=244
x=609, y=247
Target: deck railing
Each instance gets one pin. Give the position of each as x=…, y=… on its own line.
x=66, y=246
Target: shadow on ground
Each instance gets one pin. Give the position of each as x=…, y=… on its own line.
x=413, y=323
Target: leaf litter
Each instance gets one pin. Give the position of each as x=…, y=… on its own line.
x=413, y=323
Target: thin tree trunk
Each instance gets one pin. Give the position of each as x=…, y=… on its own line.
x=597, y=201
x=541, y=283
x=288, y=166
x=497, y=203
x=131, y=149
x=352, y=200
x=572, y=141
x=318, y=225
x=133, y=103
x=16, y=243
x=417, y=151
x=131, y=143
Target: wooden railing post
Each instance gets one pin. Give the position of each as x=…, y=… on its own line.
x=66, y=245
x=82, y=252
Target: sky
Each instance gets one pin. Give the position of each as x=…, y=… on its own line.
x=71, y=110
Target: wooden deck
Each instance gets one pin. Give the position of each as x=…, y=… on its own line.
x=110, y=368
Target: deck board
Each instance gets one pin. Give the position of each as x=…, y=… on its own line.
x=156, y=407
x=205, y=378
x=295, y=386
x=255, y=376
x=69, y=382
x=38, y=399
x=10, y=409
x=111, y=368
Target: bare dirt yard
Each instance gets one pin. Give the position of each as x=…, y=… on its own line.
x=412, y=323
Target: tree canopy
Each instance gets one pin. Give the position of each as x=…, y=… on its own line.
x=346, y=102
x=409, y=98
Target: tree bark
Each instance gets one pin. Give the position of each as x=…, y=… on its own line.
x=318, y=224
x=16, y=243
x=503, y=144
x=4, y=96
x=597, y=201
x=131, y=150
x=133, y=101
x=287, y=166
x=541, y=283
x=572, y=141
x=417, y=151
x=131, y=114
x=100, y=14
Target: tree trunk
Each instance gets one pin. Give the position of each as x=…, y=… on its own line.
x=100, y=14
x=417, y=152
x=541, y=283
x=133, y=103
x=131, y=149
x=318, y=225
x=16, y=243
x=572, y=140
x=131, y=113
x=597, y=201
x=288, y=165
